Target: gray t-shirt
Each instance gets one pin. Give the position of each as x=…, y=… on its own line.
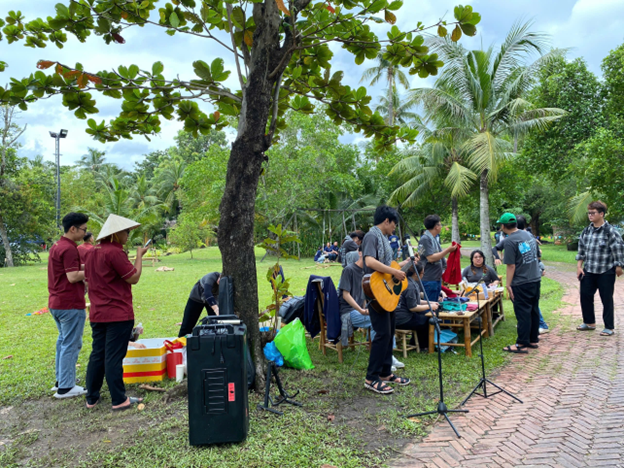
x=409, y=299
x=428, y=246
x=371, y=248
x=475, y=277
x=521, y=250
x=351, y=281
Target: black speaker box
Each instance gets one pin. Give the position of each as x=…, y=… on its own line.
x=217, y=381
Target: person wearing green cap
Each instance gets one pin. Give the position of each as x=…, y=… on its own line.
x=523, y=282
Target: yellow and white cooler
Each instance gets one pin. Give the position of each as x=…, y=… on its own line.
x=148, y=364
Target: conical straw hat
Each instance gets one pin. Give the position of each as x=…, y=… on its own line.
x=115, y=224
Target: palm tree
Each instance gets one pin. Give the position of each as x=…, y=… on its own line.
x=168, y=180
x=482, y=92
x=93, y=160
x=442, y=155
x=386, y=70
x=395, y=109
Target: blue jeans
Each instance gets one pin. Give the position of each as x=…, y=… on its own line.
x=70, y=324
x=542, y=322
x=363, y=321
x=433, y=290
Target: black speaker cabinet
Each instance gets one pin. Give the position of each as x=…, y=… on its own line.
x=217, y=381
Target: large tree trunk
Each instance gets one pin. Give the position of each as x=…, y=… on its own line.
x=5, y=242
x=237, y=209
x=484, y=218
x=455, y=221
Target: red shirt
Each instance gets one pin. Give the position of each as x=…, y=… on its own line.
x=106, y=271
x=83, y=249
x=63, y=259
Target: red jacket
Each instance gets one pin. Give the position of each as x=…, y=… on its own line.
x=452, y=275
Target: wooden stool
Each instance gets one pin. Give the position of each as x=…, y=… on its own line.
x=402, y=345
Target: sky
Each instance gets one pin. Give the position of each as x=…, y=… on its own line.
x=589, y=28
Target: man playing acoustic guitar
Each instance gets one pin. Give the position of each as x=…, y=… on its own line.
x=377, y=255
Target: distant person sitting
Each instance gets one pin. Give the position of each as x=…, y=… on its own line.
x=329, y=252
x=348, y=251
x=478, y=270
x=394, y=244
x=319, y=256
x=88, y=241
x=410, y=314
x=336, y=248
x=205, y=293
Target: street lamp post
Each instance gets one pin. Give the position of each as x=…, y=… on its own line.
x=57, y=137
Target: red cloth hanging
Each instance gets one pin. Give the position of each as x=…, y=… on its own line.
x=452, y=275
x=448, y=292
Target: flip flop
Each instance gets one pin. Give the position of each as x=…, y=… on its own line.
x=90, y=407
x=585, y=327
x=133, y=401
x=607, y=332
x=518, y=349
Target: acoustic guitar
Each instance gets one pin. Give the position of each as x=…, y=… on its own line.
x=384, y=289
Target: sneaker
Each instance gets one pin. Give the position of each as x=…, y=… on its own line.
x=397, y=364
x=543, y=331
x=54, y=389
x=393, y=369
x=74, y=392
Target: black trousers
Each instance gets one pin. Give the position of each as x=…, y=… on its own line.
x=380, y=360
x=605, y=284
x=110, y=344
x=192, y=312
x=420, y=329
x=526, y=308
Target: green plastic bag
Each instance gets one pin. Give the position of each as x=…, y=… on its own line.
x=290, y=341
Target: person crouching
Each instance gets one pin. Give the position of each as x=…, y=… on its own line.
x=110, y=276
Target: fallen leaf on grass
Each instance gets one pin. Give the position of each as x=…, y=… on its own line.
x=328, y=466
x=106, y=441
x=414, y=419
x=152, y=389
x=141, y=407
x=323, y=392
x=77, y=365
x=12, y=284
x=381, y=428
x=10, y=356
x=331, y=417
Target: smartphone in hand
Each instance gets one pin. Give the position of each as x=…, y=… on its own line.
x=147, y=243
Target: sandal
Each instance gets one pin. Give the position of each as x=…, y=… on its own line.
x=133, y=401
x=93, y=405
x=379, y=387
x=397, y=380
x=518, y=350
x=532, y=346
x=607, y=332
x=585, y=327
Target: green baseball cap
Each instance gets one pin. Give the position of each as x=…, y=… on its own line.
x=507, y=218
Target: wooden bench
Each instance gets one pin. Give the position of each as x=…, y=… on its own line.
x=402, y=345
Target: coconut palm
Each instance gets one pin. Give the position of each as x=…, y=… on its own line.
x=386, y=70
x=93, y=160
x=168, y=178
x=441, y=155
x=396, y=108
x=483, y=93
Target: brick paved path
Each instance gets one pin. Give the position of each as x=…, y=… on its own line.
x=573, y=411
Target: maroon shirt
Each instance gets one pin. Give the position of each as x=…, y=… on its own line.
x=83, y=249
x=106, y=271
x=63, y=259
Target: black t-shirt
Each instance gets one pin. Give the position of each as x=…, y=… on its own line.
x=409, y=299
x=351, y=281
x=475, y=277
x=206, y=290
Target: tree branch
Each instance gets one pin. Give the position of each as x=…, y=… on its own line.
x=228, y=7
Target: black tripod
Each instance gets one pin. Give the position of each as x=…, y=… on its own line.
x=284, y=396
x=435, y=321
x=484, y=380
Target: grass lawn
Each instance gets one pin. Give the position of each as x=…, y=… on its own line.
x=340, y=424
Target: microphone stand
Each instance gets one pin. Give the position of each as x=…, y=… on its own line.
x=484, y=380
x=442, y=409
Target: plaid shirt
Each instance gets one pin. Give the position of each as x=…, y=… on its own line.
x=601, y=252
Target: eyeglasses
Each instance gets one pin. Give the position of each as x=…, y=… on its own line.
x=82, y=229
x=592, y=213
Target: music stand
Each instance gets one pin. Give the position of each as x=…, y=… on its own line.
x=484, y=380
